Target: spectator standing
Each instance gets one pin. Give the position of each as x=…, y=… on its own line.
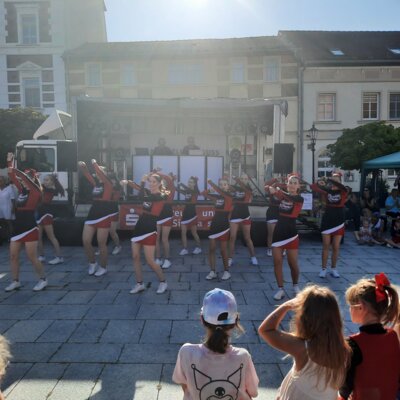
x=162, y=149
x=215, y=368
x=7, y=207
x=315, y=342
x=191, y=145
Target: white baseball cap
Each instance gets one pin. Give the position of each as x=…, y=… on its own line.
x=219, y=307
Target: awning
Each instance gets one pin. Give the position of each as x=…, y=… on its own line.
x=56, y=126
x=384, y=162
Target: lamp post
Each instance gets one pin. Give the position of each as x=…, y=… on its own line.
x=312, y=135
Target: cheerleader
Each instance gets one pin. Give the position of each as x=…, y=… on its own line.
x=285, y=233
x=145, y=232
x=164, y=223
x=25, y=229
x=272, y=211
x=189, y=216
x=332, y=225
x=219, y=229
x=240, y=217
x=116, y=195
x=51, y=187
x=99, y=219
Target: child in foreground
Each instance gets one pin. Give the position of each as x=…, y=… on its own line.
x=315, y=342
x=215, y=369
x=374, y=371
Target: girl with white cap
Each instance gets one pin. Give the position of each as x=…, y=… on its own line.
x=214, y=368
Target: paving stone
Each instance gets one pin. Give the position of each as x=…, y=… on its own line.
x=149, y=354
x=33, y=352
x=88, y=331
x=104, y=297
x=63, y=312
x=15, y=372
x=78, y=297
x=17, y=311
x=117, y=311
x=156, y=332
x=125, y=331
x=59, y=331
x=6, y=324
x=87, y=352
x=148, y=311
x=27, y=331
x=47, y=297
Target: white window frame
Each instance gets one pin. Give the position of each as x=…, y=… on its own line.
x=326, y=115
x=397, y=117
x=27, y=10
x=378, y=105
x=90, y=82
x=185, y=74
x=272, y=70
x=238, y=72
x=326, y=170
x=24, y=76
x=128, y=74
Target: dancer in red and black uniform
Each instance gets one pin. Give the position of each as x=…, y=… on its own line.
x=100, y=216
x=145, y=232
x=240, y=217
x=374, y=371
x=116, y=196
x=285, y=233
x=219, y=229
x=25, y=229
x=164, y=223
x=272, y=211
x=332, y=225
x=189, y=215
x=51, y=187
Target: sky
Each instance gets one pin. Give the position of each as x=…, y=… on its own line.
x=145, y=20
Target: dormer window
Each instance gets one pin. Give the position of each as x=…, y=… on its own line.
x=337, y=52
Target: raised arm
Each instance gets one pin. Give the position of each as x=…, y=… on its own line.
x=86, y=173
x=104, y=179
x=27, y=181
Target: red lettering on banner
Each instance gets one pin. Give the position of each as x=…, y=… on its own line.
x=129, y=215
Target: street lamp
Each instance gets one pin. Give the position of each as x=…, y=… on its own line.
x=312, y=135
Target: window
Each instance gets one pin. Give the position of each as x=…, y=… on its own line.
x=370, y=107
x=183, y=74
x=31, y=92
x=128, y=75
x=28, y=23
x=271, y=70
x=394, y=106
x=237, y=72
x=41, y=159
x=326, y=107
x=325, y=167
x=93, y=75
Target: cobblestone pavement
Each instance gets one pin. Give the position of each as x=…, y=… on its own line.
x=88, y=338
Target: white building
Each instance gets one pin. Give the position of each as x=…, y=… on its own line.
x=33, y=37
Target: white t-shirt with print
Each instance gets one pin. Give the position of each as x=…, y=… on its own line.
x=210, y=375
x=6, y=196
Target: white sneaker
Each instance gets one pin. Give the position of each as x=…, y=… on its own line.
x=56, y=260
x=40, y=285
x=279, y=295
x=100, y=271
x=197, y=250
x=92, y=268
x=334, y=273
x=162, y=287
x=139, y=287
x=284, y=253
x=97, y=252
x=158, y=261
x=254, y=261
x=230, y=262
x=296, y=289
x=116, y=250
x=42, y=258
x=183, y=252
x=225, y=276
x=269, y=252
x=322, y=273
x=211, y=275
x=166, y=264
x=13, y=286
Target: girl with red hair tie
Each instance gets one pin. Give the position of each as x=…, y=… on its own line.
x=285, y=235
x=332, y=226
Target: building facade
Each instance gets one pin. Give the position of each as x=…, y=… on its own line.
x=34, y=34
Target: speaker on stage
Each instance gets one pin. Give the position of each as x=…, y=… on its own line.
x=283, y=158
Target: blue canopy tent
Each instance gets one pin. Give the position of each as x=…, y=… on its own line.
x=384, y=162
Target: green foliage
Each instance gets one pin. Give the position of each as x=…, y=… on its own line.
x=364, y=143
x=16, y=124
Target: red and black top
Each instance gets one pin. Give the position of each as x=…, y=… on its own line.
x=273, y=206
x=30, y=194
x=375, y=364
x=191, y=195
x=242, y=195
x=103, y=188
x=167, y=213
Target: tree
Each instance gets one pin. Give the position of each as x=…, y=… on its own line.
x=16, y=124
x=364, y=143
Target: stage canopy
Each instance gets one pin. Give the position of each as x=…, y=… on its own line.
x=384, y=162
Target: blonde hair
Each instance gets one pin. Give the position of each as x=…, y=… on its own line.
x=364, y=290
x=317, y=320
x=5, y=355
